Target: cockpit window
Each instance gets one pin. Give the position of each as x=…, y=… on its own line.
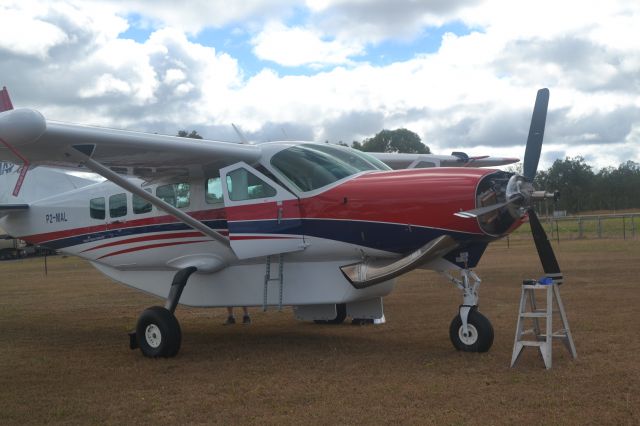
x=353, y=157
x=311, y=167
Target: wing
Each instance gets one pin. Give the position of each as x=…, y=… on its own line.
x=456, y=159
x=26, y=135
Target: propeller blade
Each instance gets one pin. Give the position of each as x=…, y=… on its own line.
x=480, y=210
x=536, y=134
x=545, y=251
x=487, y=209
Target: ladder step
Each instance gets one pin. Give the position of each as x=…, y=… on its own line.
x=531, y=343
x=533, y=314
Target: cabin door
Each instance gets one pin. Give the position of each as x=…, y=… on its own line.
x=263, y=218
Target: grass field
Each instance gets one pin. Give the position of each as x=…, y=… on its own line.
x=64, y=356
x=586, y=227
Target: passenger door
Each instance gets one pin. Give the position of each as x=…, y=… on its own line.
x=263, y=218
x=117, y=213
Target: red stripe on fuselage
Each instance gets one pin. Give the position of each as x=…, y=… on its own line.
x=151, y=246
x=213, y=214
x=259, y=237
x=164, y=236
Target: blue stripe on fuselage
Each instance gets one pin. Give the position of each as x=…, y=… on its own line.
x=390, y=237
x=125, y=232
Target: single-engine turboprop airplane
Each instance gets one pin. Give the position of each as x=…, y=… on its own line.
x=322, y=228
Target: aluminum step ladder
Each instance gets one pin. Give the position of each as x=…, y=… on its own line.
x=534, y=336
x=279, y=279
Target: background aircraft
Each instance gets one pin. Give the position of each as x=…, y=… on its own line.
x=322, y=228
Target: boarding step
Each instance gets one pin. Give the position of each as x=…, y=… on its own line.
x=279, y=279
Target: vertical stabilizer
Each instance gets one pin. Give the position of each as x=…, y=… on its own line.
x=5, y=100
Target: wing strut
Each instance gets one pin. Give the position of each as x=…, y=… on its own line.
x=77, y=154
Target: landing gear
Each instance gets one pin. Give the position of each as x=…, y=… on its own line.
x=158, y=332
x=470, y=331
x=479, y=334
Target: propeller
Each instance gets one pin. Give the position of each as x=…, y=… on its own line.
x=520, y=189
x=521, y=193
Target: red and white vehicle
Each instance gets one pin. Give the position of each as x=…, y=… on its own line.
x=322, y=228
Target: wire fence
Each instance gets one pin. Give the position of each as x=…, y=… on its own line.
x=611, y=226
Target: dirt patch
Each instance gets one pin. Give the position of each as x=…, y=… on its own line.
x=64, y=357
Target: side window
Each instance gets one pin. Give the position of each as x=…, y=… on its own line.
x=97, y=208
x=140, y=205
x=176, y=194
x=118, y=205
x=213, y=191
x=243, y=185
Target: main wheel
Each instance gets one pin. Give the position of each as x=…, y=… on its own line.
x=479, y=337
x=341, y=314
x=158, y=333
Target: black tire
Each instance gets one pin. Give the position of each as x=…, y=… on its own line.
x=481, y=333
x=158, y=333
x=341, y=314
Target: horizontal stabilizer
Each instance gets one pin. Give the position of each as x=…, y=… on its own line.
x=5, y=209
x=13, y=207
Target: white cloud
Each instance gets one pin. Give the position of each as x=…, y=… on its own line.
x=372, y=21
x=298, y=46
x=105, y=84
x=195, y=15
x=17, y=29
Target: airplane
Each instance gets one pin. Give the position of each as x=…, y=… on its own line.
x=322, y=228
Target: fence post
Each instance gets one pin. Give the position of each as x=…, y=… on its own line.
x=580, y=230
x=599, y=227
x=624, y=228
x=633, y=228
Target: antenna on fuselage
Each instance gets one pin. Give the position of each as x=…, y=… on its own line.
x=243, y=139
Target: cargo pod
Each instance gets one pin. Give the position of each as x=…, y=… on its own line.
x=263, y=218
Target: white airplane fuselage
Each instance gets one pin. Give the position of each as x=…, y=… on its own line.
x=144, y=250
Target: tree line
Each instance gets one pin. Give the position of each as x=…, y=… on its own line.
x=582, y=189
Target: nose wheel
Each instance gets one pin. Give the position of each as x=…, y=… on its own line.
x=478, y=336
x=470, y=331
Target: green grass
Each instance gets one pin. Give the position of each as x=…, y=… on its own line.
x=587, y=228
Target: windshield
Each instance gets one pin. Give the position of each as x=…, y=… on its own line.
x=351, y=156
x=310, y=167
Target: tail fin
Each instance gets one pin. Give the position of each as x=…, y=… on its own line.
x=42, y=182
x=46, y=181
x=5, y=100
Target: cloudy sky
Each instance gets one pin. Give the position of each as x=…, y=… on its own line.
x=462, y=74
